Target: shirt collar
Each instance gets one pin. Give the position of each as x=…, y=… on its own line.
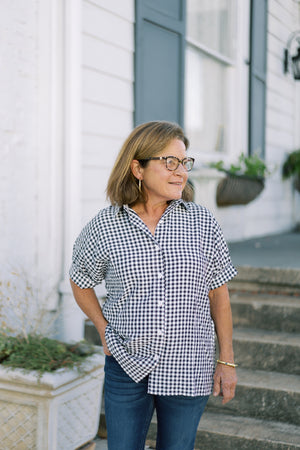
x=173, y=204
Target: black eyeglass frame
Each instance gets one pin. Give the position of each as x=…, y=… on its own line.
x=165, y=158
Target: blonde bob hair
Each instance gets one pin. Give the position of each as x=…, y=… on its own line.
x=145, y=141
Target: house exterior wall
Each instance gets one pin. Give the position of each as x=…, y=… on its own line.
x=66, y=107
x=277, y=208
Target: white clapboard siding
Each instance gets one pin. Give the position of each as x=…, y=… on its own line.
x=95, y=179
x=106, y=90
x=274, y=210
x=108, y=146
x=282, y=7
x=283, y=139
x=121, y=8
x=277, y=27
x=281, y=11
x=107, y=93
x=98, y=119
x=107, y=58
x=277, y=119
x=95, y=175
x=107, y=27
x=277, y=102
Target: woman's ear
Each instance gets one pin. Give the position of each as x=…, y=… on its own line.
x=136, y=169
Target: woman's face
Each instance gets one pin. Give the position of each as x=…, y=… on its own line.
x=161, y=184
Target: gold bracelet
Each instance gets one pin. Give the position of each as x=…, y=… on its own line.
x=227, y=363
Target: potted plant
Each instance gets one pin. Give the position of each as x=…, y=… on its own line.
x=291, y=168
x=50, y=391
x=244, y=181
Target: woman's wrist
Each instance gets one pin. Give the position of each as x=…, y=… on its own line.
x=226, y=355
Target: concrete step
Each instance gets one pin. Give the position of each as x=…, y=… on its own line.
x=266, y=311
x=267, y=350
x=263, y=395
x=266, y=279
x=225, y=432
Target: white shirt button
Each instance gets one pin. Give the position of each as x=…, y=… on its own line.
x=159, y=332
x=156, y=358
x=159, y=275
x=160, y=303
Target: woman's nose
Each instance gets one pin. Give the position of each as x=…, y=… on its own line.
x=180, y=169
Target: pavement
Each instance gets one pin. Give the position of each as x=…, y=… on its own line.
x=280, y=251
x=277, y=251
x=101, y=444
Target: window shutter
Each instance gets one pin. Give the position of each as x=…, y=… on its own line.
x=159, y=60
x=258, y=63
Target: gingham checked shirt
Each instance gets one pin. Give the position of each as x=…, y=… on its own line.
x=157, y=287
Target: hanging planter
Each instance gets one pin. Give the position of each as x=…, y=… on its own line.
x=238, y=190
x=291, y=168
x=297, y=183
x=243, y=182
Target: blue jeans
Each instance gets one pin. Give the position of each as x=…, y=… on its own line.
x=129, y=409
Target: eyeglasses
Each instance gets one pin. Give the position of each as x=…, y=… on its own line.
x=172, y=162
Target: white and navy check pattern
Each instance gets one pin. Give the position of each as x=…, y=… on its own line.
x=157, y=292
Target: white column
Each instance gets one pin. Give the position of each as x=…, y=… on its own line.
x=50, y=107
x=72, y=317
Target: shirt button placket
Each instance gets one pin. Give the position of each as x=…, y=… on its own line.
x=160, y=302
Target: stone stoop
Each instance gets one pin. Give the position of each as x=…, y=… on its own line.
x=267, y=279
x=265, y=413
x=218, y=432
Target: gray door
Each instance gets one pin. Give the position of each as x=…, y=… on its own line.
x=159, y=60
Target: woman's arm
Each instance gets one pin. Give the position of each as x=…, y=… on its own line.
x=88, y=303
x=225, y=378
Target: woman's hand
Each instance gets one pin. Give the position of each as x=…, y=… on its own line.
x=88, y=303
x=103, y=341
x=225, y=378
x=225, y=381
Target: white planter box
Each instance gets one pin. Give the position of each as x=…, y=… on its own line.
x=59, y=411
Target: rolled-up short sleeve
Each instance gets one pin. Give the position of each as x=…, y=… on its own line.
x=88, y=261
x=223, y=269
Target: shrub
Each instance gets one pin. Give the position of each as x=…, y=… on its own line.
x=249, y=166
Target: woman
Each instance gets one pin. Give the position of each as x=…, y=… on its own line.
x=165, y=265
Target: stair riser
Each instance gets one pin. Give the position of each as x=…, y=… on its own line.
x=266, y=356
x=261, y=403
x=266, y=317
x=269, y=280
x=263, y=288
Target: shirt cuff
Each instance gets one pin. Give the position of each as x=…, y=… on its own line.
x=223, y=277
x=81, y=279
